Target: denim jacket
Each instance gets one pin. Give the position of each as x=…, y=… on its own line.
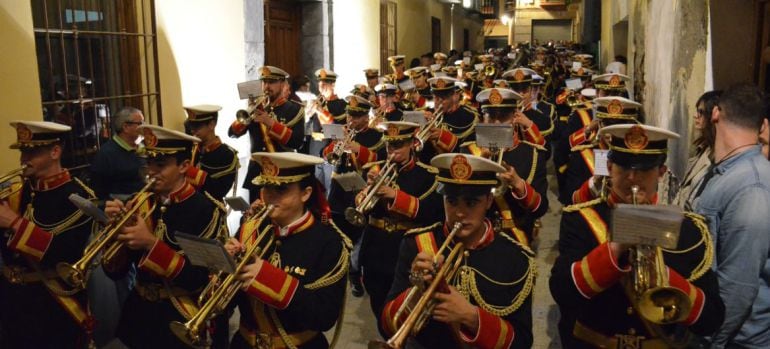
x=736, y=203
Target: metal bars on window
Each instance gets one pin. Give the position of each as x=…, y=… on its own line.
x=95, y=57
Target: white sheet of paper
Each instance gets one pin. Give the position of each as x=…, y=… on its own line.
x=435, y=67
x=654, y=225
x=207, y=253
x=574, y=84
x=600, y=162
x=350, y=181
x=248, y=89
x=576, y=65
x=467, y=60
x=333, y=131
x=406, y=85
x=417, y=117
x=479, y=67
x=494, y=136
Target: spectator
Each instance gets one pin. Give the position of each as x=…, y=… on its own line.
x=117, y=169
x=764, y=133
x=735, y=197
x=426, y=60
x=697, y=166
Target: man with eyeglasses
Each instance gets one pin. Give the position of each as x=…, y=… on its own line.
x=117, y=168
x=117, y=171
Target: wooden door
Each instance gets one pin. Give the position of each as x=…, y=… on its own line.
x=283, y=27
x=763, y=45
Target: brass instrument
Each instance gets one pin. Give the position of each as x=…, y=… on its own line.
x=246, y=116
x=217, y=295
x=105, y=244
x=489, y=72
x=419, y=301
x=388, y=175
x=424, y=132
x=658, y=302
x=6, y=188
x=339, y=148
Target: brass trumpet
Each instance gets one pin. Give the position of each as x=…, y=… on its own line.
x=339, y=148
x=658, y=302
x=105, y=244
x=388, y=175
x=6, y=187
x=424, y=132
x=246, y=116
x=419, y=301
x=193, y=331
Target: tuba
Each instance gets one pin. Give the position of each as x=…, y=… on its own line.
x=246, y=116
x=388, y=175
x=105, y=243
x=658, y=302
x=6, y=188
x=217, y=295
x=419, y=301
x=424, y=132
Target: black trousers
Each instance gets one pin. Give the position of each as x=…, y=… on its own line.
x=377, y=285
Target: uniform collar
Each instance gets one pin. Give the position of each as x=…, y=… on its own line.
x=182, y=194
x=279, y=102
x=300, y=225
x=213, y=145
x=52, y=182
x=486, y=239
x=122, y=143
x=408, y=166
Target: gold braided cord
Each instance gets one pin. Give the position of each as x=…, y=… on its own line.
x=429, y=168
x=55, y=228
x=600, y=114
x=468, y=284
x=533, y=168
x=345, y=240
x=470, y=182
x=708, y=254
x=536, y=146
x=281, y=331
x=430, y=190
x=300, y=116
x=582, y=205
x=471, y=128
x=263, y=179
x=580, y=147
x=335, y=274
x=227, y=169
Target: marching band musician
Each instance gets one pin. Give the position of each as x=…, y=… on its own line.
x=388, y=101
x=274, y=126
x=459, y=123
x=525, y=176
x=166, y=283
x=41, y=228
x=592, y=280
x=397, y=67
x=488, y=302
x=327, y=109
x=214, y=164
x=366, y=146
x=520, y=81
x=580, y=171
x=409, y=202
x=372, y=77
x=440, y=58
x=296, y=290
x=422, y=94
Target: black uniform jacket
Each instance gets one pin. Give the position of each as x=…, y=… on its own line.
x=588, y=283
x=497, y=276
x=300, y=287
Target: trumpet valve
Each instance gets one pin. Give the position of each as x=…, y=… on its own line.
x=72, y=275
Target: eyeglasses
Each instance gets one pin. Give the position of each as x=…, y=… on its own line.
x=137, y=123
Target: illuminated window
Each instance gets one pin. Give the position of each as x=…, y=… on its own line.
x=94, y=57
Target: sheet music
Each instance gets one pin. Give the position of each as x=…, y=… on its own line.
x=654, y=225
x=334, y=131
x=494, y=136
x=350, y=181
x=248, y=89
x=207, y=253
x=600, y=162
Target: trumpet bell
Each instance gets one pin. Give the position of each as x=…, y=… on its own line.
x=664, y=305
x=71, y=275
x=354, y=217
x=242, y=116
x=188, y=336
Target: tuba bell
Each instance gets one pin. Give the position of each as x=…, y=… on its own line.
x=658, y=302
